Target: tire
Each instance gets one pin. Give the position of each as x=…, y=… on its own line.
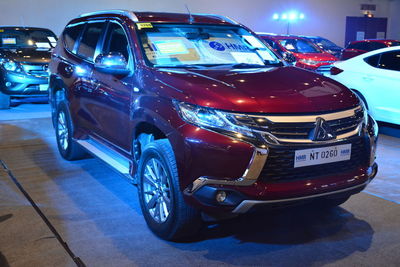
x=161, y=200
x=333, y=202
x=68, y=148
x=5, y=101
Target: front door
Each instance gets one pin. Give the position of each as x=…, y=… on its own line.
x=113, y=94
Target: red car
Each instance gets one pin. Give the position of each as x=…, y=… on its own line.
x=360, y=47
x=205, y=119
x=300, y=51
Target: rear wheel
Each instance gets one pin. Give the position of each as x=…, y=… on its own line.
x=68, y=148
x=4, y=101
x=161, y=199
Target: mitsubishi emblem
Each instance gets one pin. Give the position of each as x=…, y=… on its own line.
x=322, y=131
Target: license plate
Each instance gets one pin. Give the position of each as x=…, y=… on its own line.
x=43, y=87
x=322, y=155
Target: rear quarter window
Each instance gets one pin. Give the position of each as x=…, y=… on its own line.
x=372, y=60
x=390, y=61
x=71, y=34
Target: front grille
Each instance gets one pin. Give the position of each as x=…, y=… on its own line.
x=36, y=69
x=294, y=131
x=279, y=166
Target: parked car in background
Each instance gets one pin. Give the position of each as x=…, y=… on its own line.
x=360, y=47
x=325, y=44
x=375, y=77
x=300, y=52
x=25, y=54
x=204, y=117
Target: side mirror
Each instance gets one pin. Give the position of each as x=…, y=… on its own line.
x=112, y=63
x=289, y=57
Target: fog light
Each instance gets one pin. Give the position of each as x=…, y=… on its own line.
x=8, y=84
x=221, y=196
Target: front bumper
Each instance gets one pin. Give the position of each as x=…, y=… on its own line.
x=250, y=189
x=23, y=84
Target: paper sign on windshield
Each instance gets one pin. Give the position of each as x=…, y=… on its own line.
x=253, y=41
x=43, y=45
x=249, y=58
x=9, y=41
x=265, y=55
x=171, y=47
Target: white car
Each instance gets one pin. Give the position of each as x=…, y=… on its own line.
x=375, y=77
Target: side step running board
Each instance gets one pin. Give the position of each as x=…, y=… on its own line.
x=108, y=155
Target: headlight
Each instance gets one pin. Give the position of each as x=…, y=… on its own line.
x=10, y=65
x=309, y=61
x=212, y=119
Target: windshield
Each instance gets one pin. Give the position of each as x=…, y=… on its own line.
x=299, y=46
x=325, y=43
x=187, y=45
x=26, y=38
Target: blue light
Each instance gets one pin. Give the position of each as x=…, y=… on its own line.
x=79, y=70
x=275, y=16
x=293, y=16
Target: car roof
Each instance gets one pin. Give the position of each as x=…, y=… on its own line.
x=278, y=36
x=374, y=40
x=160, y=17
x=17, y=28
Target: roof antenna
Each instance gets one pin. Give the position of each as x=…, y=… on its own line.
x=191, y=19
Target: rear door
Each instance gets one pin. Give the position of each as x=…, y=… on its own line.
x=113, y=94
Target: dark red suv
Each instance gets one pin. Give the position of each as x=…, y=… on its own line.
x=360, y=47
x=206, y=120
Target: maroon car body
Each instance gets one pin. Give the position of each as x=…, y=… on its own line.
x=360, y=47
x=280, y=101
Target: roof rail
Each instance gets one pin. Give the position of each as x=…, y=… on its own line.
x=129, y=14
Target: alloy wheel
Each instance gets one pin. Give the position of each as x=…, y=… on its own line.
x=62, y=130
x=156, y=190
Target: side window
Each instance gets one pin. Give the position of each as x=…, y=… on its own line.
x=71, y=33
x=90, y=38
x=362, y=46
x=116, y=41
x=372, y=60
x=375, y=46
x=390, y=61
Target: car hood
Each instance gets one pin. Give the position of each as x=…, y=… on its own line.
x=316, y=56
x=28, y=55
x=265, y=90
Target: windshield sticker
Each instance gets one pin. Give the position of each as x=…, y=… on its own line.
x=144, y=25
x=253, y=41
x=249, y=58
x=217, y=46
x=9, y=41
x=289, y=47
x=51, y=39
x=171, y=47
x=42, y=45
x=265, y=55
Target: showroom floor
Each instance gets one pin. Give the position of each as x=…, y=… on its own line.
x=95, y=211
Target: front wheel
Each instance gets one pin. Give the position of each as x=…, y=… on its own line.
x=68, y=148
x=161, y=199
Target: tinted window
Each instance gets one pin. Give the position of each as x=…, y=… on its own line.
x=359, y=46
x=299, y=46
x=374, y=46
x=372, y=60
x=390, y=61
x=12, y=38
x=116, y=41
x=87, y=46
x=393, y=43
x=71, y=34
